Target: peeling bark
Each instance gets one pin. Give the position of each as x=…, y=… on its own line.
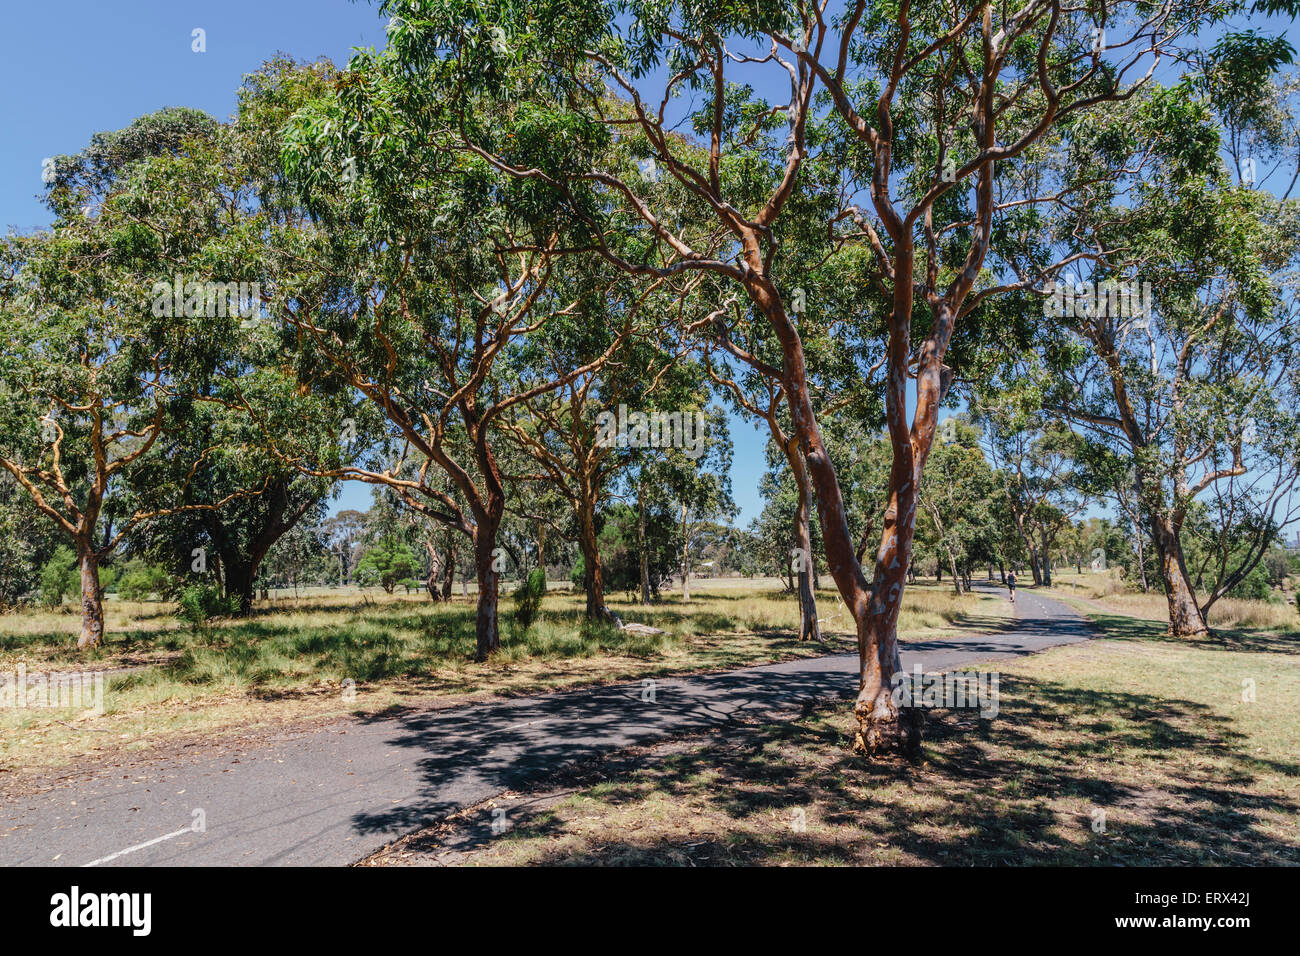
x=92, y=601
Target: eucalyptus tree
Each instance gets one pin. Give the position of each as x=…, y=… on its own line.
x=92, y=372
x=1036, y=457
x=208, y=223
x=441, y=271
x=1173, y=344
x=239, y=534
x=341, y=534
x=584, y=462
x=929, y=113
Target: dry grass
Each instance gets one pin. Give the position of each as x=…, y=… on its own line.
x=1108, y=591
x=1132, y=751
x=1264, y=615
x=333, y=653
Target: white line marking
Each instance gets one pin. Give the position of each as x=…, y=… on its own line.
x=141, y=846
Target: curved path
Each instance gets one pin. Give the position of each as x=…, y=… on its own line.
x=337, y=794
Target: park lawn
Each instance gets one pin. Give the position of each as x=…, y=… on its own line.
x=1106, y=591
x=1149, y=731
x=332, y=655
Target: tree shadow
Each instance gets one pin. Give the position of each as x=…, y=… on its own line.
x=1123, y=627
x=1017, y=790
x=470, y=754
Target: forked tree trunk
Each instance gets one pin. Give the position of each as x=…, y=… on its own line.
x=92, y=601
x=1185, y=618
x=882, y=726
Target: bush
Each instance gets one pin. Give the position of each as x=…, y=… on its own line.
x=200, y=603
x=60, y=577
x=528, y=598
x=387, y=564
x=141, y=581
x=1255, y=586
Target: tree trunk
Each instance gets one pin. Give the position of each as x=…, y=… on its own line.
x=641, y=545
x=541, y=550
x=1185, y=618
x=239, y=583
x=487, y=635
x=92, y=601
x=449, y=569
x=686, y=558
x=431, y=579
x=593, y=578
x=882, y=726
x=1045, y=557
x=808, y=626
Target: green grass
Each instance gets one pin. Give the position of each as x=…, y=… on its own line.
x=336, y=653
x=1150, y=731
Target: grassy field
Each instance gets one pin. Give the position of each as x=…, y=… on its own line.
x=1106, y=591
x=333, y=652
x=1135, y=750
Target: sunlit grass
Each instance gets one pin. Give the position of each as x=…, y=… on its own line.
x=334, y=651
x=1109, y=590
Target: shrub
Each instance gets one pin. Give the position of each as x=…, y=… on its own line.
x=141, y=581
x=528, y=598
x=200, y=603
x=60, y=577
x=387, y=564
